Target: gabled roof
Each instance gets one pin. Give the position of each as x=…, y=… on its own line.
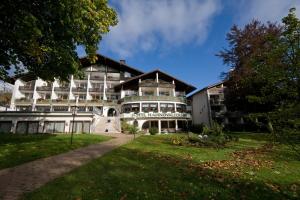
x=111, y=62
x=85, y=63
x=180, y=85
x=206, y=88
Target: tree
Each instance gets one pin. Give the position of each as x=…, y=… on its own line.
x=265, y=80
x=245, y=47
x=41, y=36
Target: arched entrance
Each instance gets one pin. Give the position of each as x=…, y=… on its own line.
x=112, y=112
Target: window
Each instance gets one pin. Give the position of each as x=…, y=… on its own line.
x=5, y=126
x=80, y=127
x=60, y=108
x=54, y=127
x=181, y=108
x=167, y=107
x=82, y=97
x=153, y=107
x=23, y=108
x=25, y=127
x=43, y=108
x=126, y=108
x=148, y=93
x=145, y=107
x=135, y=107
x=81, y=109
x=164, y=93
x=149, y=107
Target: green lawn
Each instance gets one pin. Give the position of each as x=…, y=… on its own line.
x=18, y=149
x=152, y=168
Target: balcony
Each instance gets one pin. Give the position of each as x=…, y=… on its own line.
x=43, y=101
x=31, y=88
x=95, y=89
x=62, y=89
x=154, y=84
x=79, y=89
x=23, y=101
x=44, y=88
x=95, y=77
x=60, y=101
x=154, y=98
x=214, y=102
x=113, y=78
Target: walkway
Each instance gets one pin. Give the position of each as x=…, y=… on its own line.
x=29, y=176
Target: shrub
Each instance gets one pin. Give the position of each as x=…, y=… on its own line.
x=153, y=130
x=132, y=129
x=125, y=127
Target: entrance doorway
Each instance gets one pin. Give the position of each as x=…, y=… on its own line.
x=111, y=112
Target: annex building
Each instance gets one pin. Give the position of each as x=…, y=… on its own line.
x=110, y=92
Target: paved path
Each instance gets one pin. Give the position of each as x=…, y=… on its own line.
x=29, y=176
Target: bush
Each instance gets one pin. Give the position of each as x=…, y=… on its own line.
x=153, y=130
x=210, y=137
x=124, y=127
x=132, y=129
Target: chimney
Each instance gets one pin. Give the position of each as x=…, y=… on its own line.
x=123, y=62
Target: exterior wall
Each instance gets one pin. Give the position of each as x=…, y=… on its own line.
x=95, y=96
x=67, y=117
x=201, y=109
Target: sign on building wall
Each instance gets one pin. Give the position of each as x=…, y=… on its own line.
x=156, y=115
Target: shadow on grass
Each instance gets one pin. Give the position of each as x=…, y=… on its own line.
x=7, y=138
x=131, y=174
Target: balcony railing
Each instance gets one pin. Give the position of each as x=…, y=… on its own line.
x=66, y=89
x=26, y=88
x=43, y=101
x=79, y=89
x=44, y=88
x=154, y=98
x=216, y=102
x=95, y=89
x=154, y=84
x=23, y=100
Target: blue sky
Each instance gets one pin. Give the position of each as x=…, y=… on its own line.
x=181, y=37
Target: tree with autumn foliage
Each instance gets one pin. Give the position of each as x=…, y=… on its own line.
x=264, y=80
x=41, y=36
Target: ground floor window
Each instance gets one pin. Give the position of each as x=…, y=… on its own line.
x=149, y=124
x=23, y=108
x=43, y=108
x=25, y=127
x=80, y=127
x=168, y=126
x=60, y=108
x=5, y=126
x=54, y=127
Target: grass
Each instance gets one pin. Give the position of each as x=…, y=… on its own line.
x=18, y=149
x=152, y=168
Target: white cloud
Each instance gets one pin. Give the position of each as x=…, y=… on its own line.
x=146, y=25
x=266, y=10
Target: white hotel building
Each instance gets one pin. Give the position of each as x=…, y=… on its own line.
x=109, y=92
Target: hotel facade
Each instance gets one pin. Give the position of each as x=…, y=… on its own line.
x=109, y=92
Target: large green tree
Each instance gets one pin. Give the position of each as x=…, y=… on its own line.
x=265, y=77
x=41, y=36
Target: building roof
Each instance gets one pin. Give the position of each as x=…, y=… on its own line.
x=111, y=62
x=206, y=88
x=180, y=85
x=85, y=63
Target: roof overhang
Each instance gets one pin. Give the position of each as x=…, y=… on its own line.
x=134, y=82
